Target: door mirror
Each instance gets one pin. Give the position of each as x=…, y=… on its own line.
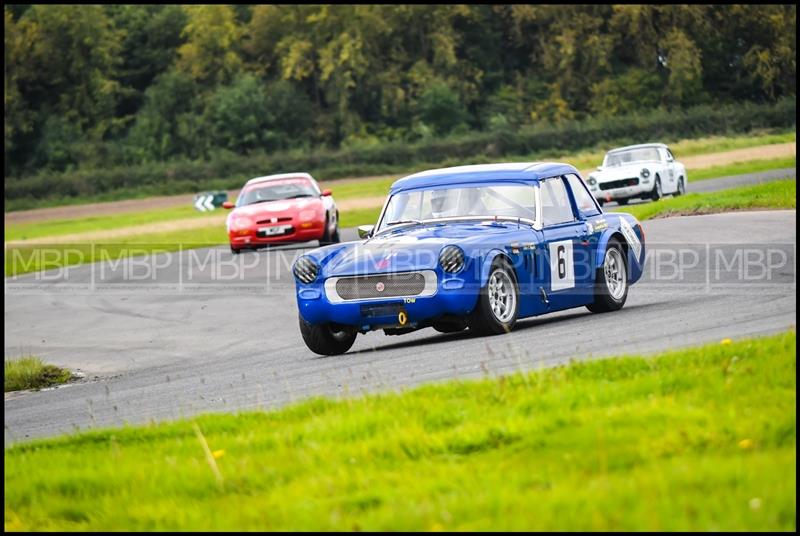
x=599, y=168
x=228, y=204
x=327, y=192
x=365, y=231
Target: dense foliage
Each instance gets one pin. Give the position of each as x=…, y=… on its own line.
x=93, y=86
x=229, y=170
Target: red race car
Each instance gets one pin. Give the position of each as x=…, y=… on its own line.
x=278, y=209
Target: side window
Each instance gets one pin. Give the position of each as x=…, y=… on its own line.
x=670, y=157
x=556, y=207
x=583, y=198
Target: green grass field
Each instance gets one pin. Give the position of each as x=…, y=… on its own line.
x=30, y=258
x=696, y=439
x=32, y=373
x=776, y=194
x=741, y=168
x=27, y=231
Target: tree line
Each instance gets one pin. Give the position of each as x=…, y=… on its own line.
x=92, y=86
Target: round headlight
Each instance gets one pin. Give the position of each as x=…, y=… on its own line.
x=241, y=222
x=306, y=215
x=592, y=181
x=305, y=269
x=645, y=173
x=451, y=259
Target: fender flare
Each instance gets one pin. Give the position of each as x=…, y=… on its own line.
x=635, y=266
x=487, y=265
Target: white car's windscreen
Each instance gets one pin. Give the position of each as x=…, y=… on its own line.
x=514, y=201
x=622, y=158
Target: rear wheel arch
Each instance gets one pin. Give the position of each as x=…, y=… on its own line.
x=604, y=299
x=680, y=188
x=329, y=237
x=602, y=245
x=658, y=188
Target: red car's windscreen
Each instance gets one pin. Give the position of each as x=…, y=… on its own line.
x=275, y=190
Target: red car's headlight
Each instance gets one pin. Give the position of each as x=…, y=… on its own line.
x=241, y=222
x=307, y=215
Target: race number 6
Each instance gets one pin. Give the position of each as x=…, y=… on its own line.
x=562, y=269
x=562, y=265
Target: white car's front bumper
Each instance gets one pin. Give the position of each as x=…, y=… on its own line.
x=622, y=188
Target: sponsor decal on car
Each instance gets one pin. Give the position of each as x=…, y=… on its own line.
x=630, y=236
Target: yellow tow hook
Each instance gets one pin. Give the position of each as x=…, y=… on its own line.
x=402, y=318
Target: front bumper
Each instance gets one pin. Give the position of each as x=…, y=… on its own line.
x=299, y=232
x=607, y=192
x=453, y=296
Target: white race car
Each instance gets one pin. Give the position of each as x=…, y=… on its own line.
x=645, y=171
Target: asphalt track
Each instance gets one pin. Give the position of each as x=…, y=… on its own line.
x=203, y=331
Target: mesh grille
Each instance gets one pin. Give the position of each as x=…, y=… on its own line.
x=619, y=184
x=359, y=288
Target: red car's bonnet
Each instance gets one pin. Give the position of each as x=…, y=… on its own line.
x=280, y=208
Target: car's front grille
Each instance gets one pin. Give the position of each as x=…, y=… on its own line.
x=275, y=220
x=619, y=184
x=380, y=286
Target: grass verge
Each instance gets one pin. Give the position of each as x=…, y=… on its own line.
x=780, y=194
x=32, y=373
x=697, y=439
x=741, y=168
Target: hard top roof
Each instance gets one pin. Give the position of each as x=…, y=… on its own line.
x=640, y=146
x=299, y=175
x=483, y=173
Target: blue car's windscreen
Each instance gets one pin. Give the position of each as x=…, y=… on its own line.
x=513, y=201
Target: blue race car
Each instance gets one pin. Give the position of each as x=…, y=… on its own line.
x=473, y=247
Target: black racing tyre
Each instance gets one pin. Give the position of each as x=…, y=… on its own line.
x=622, y=202
x=327, y=339
x=235, y=251
x=611, y=280
x=600, y=202
x=335, y=236
x=498, y=302
x=681, y=187
x=657, y=193
x=328, y=237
